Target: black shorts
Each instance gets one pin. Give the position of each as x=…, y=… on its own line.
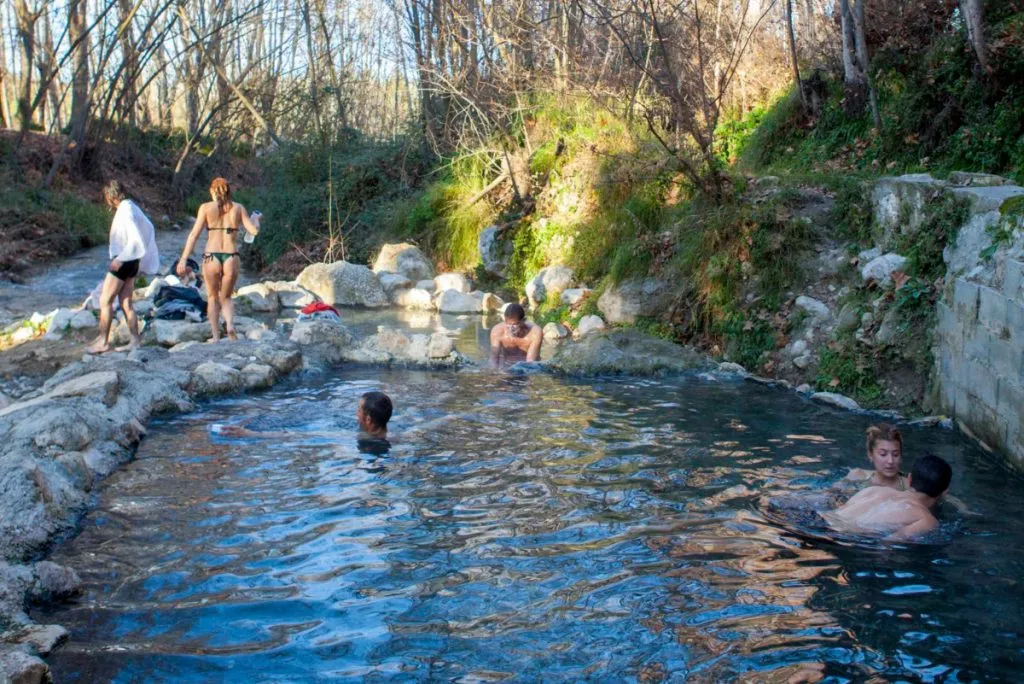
x=129, y=269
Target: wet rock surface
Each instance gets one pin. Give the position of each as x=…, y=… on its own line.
x=626, y=352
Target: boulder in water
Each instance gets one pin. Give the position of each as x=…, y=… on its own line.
x=416, y=298
x=257, y=376
x=440, y=347
x=214, y=378
x=452, y=281
x=837, y=400
x=453, y=301
x=393, y=283
x=343, y=284
x=404, y=259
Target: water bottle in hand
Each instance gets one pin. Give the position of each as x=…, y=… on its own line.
x=255, y=217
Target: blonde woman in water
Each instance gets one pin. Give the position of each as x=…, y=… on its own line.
x=223, y=218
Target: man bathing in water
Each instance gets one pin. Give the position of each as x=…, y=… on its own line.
x=516, y=339
x=882, y=510
x=372, y=415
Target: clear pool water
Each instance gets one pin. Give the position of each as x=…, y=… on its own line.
x=526, y=529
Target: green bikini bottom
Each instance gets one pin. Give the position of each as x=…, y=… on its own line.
x=222, y=257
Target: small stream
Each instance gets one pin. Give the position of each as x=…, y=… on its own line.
x=525, y=529
x=66, y=284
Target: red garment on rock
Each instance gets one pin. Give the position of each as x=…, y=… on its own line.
x=316, y=307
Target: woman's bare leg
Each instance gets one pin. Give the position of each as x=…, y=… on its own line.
x=227, y=288
x=212, y=276
x=125, y=295
x=111, y=286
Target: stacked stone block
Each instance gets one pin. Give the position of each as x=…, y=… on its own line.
x=980, y=356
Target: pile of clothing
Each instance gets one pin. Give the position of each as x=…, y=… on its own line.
x=178, y=302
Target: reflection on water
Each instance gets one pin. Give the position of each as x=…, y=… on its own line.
x=524, y=529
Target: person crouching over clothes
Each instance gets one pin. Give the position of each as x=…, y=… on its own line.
x=132, y=250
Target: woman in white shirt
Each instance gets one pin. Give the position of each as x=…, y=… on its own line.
x=132, y=250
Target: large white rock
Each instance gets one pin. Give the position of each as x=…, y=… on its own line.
x=258, y=376
x=494, y=252
x=416, y=298
x=817, y=309
x=343, y=284
x=105, y=384
x=634, y=298
x=453, y=301
x=452, y=281
x=491, y=302
x=259, y=298
x=170, y=333
x=880, y=269
x=554, y=332
x=84, y=319
x=575, y=295
x=319, y=331
x=588, y=325
x=393, y=283
x=290, y=294
x=837, y=400
x=549, y=282
x=59, y=322
x=404, y=259
x=215, y=378
x=440, y=346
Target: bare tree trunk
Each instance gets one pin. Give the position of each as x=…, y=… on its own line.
x=130, y=54
x=973, y=12
x=794, y=63
x=78, y=10
x=46, y=62
x=854, y=83
x=865, y=61
x=26, y=25
x=6, y=111
x=314, y=81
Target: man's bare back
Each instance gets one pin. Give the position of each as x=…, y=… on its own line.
x=884, y=511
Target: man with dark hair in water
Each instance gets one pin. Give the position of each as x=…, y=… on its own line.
x=516, y=339
x=901, y=515
x=372, y=414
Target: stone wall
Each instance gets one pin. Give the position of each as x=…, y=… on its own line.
x=979, y=337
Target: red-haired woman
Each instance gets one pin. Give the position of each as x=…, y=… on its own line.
x=223, y=218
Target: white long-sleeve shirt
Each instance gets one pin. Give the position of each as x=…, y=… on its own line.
x=132, y=237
